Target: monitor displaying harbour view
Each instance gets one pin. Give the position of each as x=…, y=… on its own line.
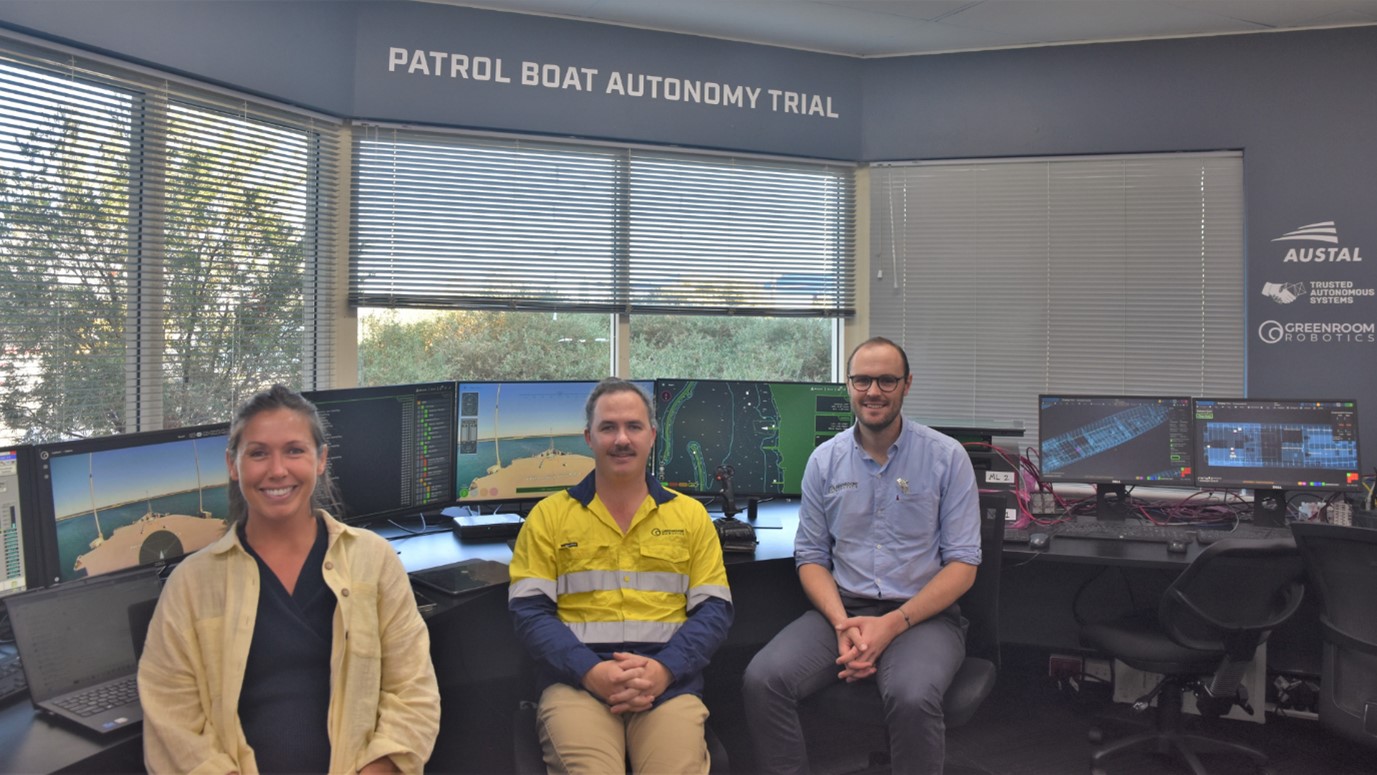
x=522, y=441
x=135, y=499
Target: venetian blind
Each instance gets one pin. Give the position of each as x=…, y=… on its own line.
x=165, y=249
x=445, y=220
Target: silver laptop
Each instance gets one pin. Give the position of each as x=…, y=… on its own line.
x=78, y=646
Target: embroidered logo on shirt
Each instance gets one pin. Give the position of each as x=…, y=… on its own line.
x=663, y=532
x=842, y=486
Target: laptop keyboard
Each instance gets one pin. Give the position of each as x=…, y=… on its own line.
x=101, y=698
x=12, y=682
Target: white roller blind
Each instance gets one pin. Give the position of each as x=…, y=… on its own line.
x=1007, y=279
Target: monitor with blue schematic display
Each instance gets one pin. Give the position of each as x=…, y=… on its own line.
x=1276, y=445
x=763, y=430
x=19, y=557
x=1114, y=442
x=391, y=448
x=522, y=440
x=118, y=502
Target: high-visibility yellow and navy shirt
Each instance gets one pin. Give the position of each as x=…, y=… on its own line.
x=581, y=589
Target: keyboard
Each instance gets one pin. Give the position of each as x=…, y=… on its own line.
x=1244, y=530
x=101, y=698
x=1125, y=531
x=12, y=681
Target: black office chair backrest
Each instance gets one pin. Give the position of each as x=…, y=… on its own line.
x=980, y=604
x=1233, y=594
x=1341, y=563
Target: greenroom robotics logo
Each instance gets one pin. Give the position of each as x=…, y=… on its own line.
x=1272, y=332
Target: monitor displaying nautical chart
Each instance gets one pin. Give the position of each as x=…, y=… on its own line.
x=134, y=499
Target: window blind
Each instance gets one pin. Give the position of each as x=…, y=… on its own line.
x=1006, y=279
x=164, y=248
x=453, y=221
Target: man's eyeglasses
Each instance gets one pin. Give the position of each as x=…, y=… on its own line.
x=862, y=382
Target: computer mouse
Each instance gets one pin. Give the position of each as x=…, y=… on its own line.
x=1039, y=540
x=1176, y=547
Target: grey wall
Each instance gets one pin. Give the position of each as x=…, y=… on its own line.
x=1300, y=105
x=334, y=57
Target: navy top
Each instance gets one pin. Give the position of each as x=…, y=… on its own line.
x=285, y=701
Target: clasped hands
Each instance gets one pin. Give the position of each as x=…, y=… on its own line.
x=860, y=642
x=627, y=682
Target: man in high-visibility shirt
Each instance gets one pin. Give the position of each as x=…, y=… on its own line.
x=619, y=592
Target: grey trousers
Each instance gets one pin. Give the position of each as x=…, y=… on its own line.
x=913, y=673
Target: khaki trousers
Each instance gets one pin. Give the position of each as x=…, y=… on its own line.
x=581, y=736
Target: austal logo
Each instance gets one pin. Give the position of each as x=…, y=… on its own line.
x=1325, y=232
x=1272, y=332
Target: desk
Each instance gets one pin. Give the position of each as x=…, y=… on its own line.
x=32, y=743
x=479, y=662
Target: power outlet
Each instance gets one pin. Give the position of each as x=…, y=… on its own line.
x=1064, y=666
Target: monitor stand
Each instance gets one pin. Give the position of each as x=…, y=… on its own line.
x=1111, y=502
x=1269, y=508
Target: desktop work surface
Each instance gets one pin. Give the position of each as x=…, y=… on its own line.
x=483, y=674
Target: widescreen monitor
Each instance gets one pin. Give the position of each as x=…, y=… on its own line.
x=19, y=556
x=1275, y=445
x=764, y=431
x=391, y=448
x=1114, y=442
x=522, y=440
x=134, y=499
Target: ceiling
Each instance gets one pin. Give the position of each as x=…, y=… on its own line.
x=880, y=28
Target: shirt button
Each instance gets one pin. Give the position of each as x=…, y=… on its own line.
x=344, y=592
x=329, y=565
x=627, y=579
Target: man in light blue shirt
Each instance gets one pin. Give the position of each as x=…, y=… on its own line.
x=888, y=540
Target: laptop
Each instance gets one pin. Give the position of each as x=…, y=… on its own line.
x=77, y=644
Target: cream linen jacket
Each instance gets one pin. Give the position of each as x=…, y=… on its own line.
x=384, y=700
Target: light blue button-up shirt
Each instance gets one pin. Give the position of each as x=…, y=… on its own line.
x=885, y=531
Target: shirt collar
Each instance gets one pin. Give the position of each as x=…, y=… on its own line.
x=584, y=491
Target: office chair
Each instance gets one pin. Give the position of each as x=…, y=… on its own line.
x=1202, y=637
x=1341, y=563
x=975, y=678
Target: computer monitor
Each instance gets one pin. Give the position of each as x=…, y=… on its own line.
x=1113, y=442
x=522, y=440
x=134, y=499
x=764, y=431
x=391, y=448
x=1275, y=445
x=19, y=555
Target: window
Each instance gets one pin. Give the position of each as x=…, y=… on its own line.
x=164, y=249
x=1007, y=279
x=537, y=245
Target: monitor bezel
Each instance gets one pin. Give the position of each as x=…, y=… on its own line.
x=43, y=491
x=739, y=491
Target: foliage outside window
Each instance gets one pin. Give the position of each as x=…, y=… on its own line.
x=160, y=251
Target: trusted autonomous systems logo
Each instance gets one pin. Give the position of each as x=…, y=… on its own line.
x=1324, y=232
